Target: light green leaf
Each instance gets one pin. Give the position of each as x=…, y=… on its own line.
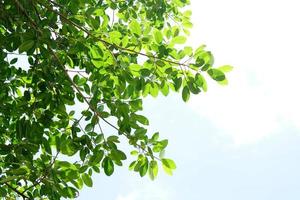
x=158, y=36
x=87, y=180
x=153, y=169
x=225, y=68
x=135, y=27
x=168, y=163
x=179, y=40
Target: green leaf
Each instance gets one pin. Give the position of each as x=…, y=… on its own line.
x=154, y=89
x=164, y=88
x=223, y=83
x=179, y=40
x=144, y=168
x=135, y=67
x=89, y=127
x=135, y=27
x=153, y=169
x=19, y=171
x=26, y=45
x=216, y=74
x=134, y=153
x=142, y=119
x=13, y=61
x=168, y=163
x=96, y=157
x=158, y=36
x=185, y=94
x=161, y=145
x=108, y=166
x=87, y=180
x=225, y=68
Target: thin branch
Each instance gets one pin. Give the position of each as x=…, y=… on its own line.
x=17, y=191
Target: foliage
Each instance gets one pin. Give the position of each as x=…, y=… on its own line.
x=104, y=56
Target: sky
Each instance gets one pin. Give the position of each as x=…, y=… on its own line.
x=235, y=142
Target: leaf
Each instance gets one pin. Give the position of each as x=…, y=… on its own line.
x=26, y=45
x=185, y=94
x=108, y=166
x=135, y=67
x=158, y=36
x=168, y=163
x=134, y=153
x=144, y=168
x=161, y=145
x=179, y=40
x=164, y=88
x=89, y=127
x=13, y=61
x=225, y=68
x=87, y=180
x=216, y=74
x=8, y=179
x=142, y=119
x=96, y=158
x=223, y=83
x=153, y=169
x=154, y=89
x=19, y=171
x=135, y=27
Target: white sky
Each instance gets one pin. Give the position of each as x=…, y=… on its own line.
x=261, y=39
x=235, y=142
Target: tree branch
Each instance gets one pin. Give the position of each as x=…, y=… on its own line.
x=17, y=191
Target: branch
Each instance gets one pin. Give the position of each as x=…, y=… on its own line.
x=17, y=191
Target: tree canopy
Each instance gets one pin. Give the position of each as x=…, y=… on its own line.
x=72, y=68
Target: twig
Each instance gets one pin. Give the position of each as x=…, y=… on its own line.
x=17, y=191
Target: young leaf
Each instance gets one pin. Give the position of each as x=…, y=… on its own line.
x=225, y=68
x=158, y=36
x=135, y=27
x=168, y=163
x=178, y=40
